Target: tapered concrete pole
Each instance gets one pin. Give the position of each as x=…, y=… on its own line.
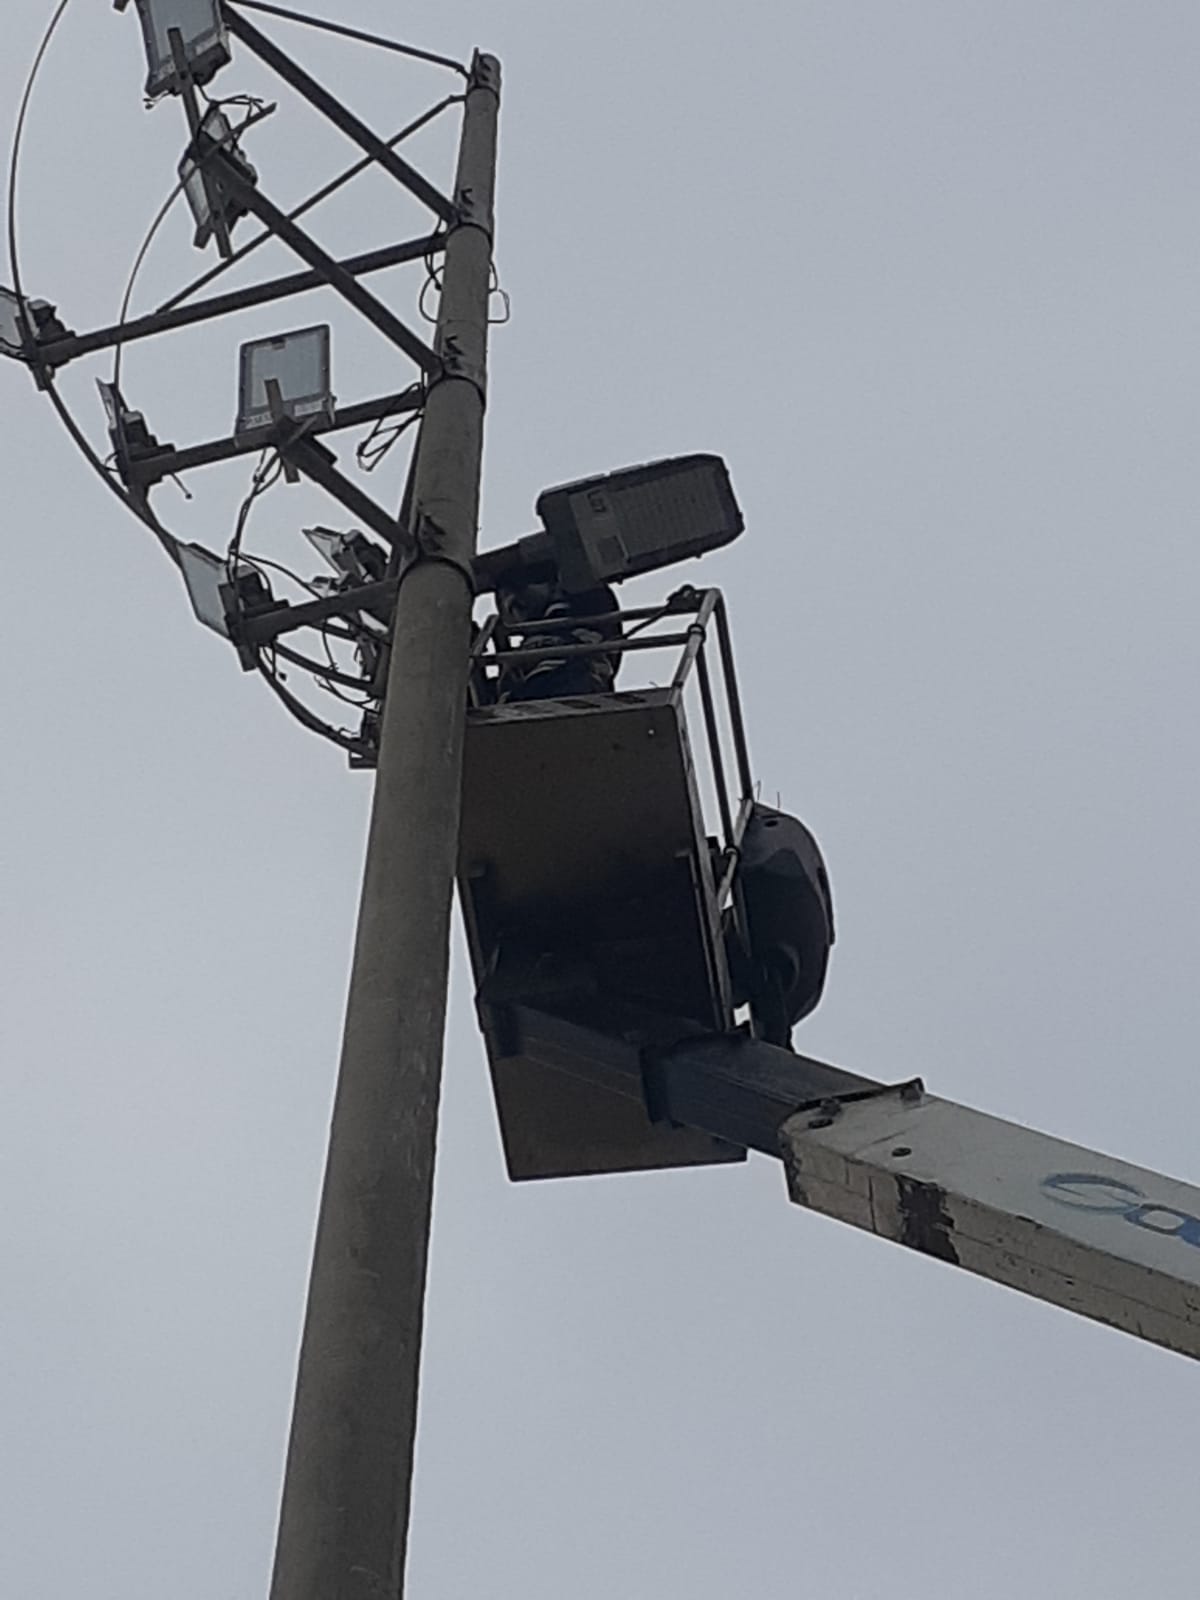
x=344, y=1524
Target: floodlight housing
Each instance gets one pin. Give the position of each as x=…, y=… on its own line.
x=127, y=429
x=43, y=324
x=297, y=366
x=219, y=599
x=12, y=325
x=202, y=188
x=204, y=36
x=208, y=586
x=624, y=523
x=351, y=555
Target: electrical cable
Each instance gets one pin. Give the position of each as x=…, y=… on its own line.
x=138, y=262
x=309, y=719
x=278, y=566
x=332, y=673
x=433, y=279
x=355, y=33
x=369, y=454
x=266, y=475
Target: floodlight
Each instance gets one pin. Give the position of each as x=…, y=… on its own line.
x=217, y=598
x=351, y=555
x=625, y=523
x=43, y=322
x=12, y=324
x=203, y=37
x=207, y=580
x=285, y=377
x=210, y=205
x=127, y=430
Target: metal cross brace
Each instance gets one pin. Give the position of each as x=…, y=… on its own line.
x=353, y=127
x=328, y=268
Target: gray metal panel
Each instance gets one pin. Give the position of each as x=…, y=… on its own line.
x=556, y=1126
x=580, y=830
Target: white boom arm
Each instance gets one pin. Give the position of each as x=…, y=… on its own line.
x=1085, y=1231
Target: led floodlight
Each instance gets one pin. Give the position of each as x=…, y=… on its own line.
x=295, y=369
x=210, y=205
x=625, y=523
x=12, y=324
x=127, y=430
x=43, y=323
x=218, y=600
x=351, y=555
x=204, y=38
x=207, y=580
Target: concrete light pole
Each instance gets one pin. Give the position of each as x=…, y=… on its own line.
x=344, y=1520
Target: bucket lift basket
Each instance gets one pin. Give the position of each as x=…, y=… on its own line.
x=599, y=849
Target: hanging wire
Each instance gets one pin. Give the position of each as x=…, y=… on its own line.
x=496, y=289
x=433, y=280
x=266, y=475
x=139, y=261
x=344, y=739
x=381, y=439
x=252, y=101
x=278, y=566
x=355, y=33
x=332, y=672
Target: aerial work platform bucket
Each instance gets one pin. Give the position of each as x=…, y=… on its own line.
x=597, y=856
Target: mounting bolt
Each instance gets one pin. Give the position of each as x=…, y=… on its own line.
x=829, y=1111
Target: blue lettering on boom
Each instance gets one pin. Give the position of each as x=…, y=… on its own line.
x=1095, y=1191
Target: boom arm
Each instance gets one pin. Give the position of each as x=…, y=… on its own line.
x=1092, y=1234
x=1084, y=1231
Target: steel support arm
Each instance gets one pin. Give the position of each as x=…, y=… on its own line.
x=353, y=127
x=315, y=463
x=57, y=352
x=264, y=627
x=326, y=266
x=1094, y=1235
x=150, y=469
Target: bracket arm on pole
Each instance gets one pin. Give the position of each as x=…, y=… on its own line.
x=268, y=625
x=151, y=469
x=57, y=352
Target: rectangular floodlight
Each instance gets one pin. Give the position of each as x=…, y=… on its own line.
x=12, y=330
x=202, y=31
x=625, y=523
x=298, y=364
x=335, y=548
x=207, y=201
x=206, y=577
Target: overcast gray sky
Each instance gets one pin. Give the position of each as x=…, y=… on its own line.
x=926, y=275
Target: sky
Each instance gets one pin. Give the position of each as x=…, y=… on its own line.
x=925, y=276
